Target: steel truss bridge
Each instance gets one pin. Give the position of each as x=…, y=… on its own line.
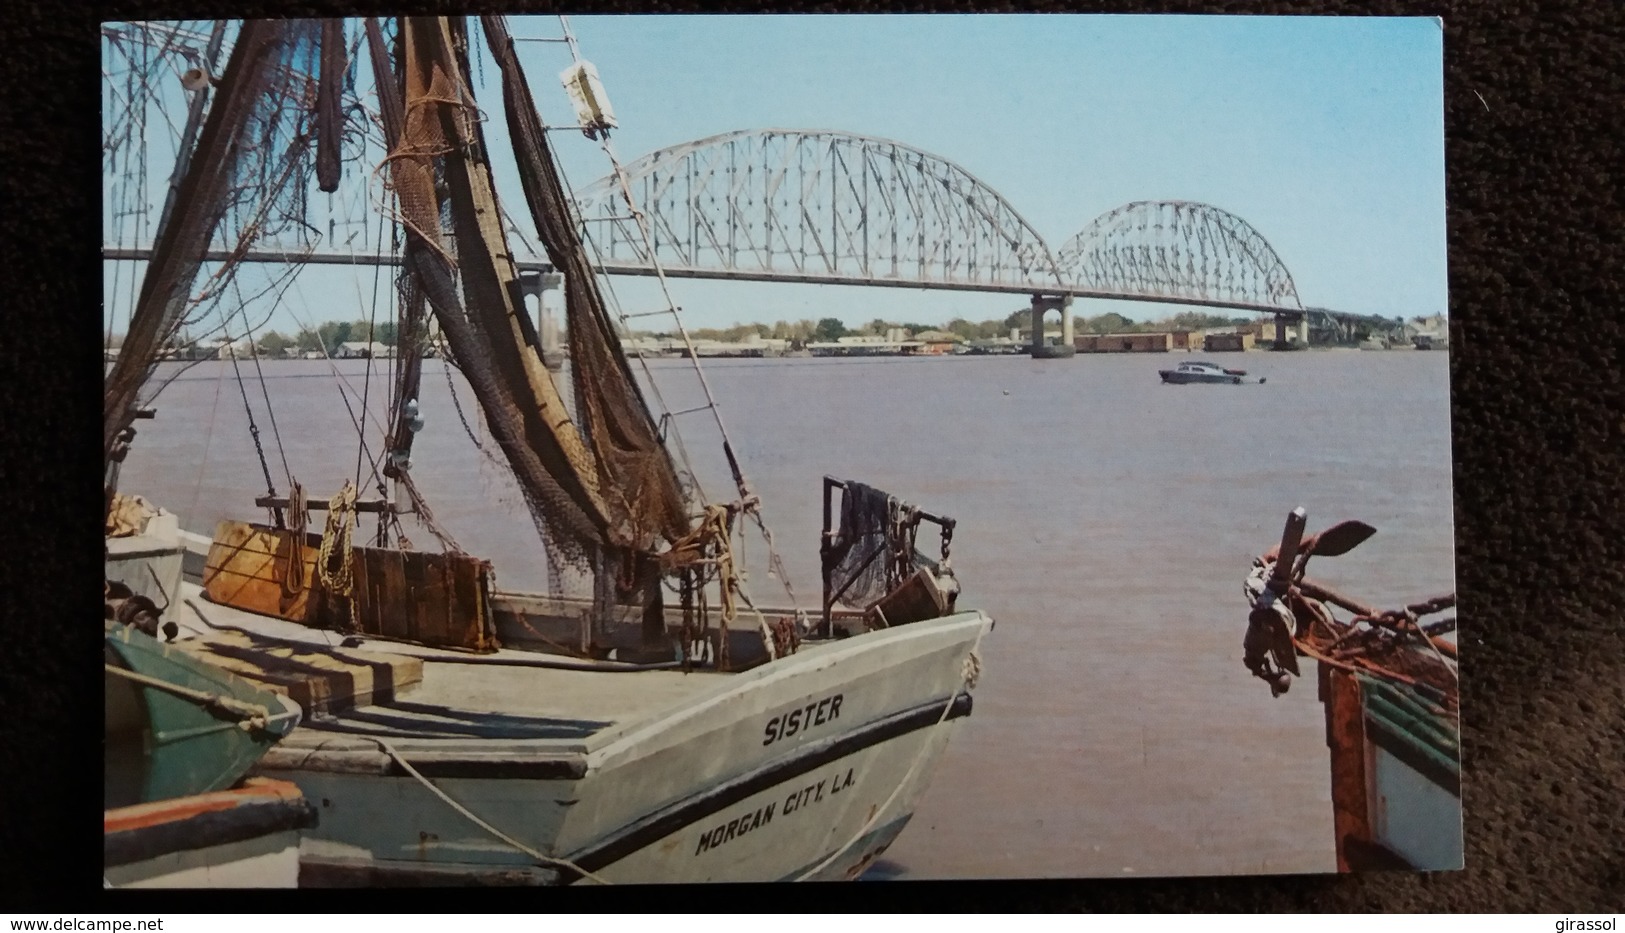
x=824, y=207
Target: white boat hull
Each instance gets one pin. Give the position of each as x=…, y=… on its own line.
x=246, y=837
x=807, y=767
x=270, y=861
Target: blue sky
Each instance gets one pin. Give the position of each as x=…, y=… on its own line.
x=1325, y=134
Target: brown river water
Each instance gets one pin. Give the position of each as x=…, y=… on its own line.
x=1106, y=521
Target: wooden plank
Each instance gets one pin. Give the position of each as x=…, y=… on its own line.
x=463, y=601
x=321, y=505
x=426, y=576
x=426, y=623
x=247, y=567
x=396, y=614
x=1345, y=737
x=376, y=611
x=320, y=680
x=432, y=599
x=473, y=581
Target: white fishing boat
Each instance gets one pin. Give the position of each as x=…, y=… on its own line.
x=458, y=734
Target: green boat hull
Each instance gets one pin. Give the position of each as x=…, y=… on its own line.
x=176, y=726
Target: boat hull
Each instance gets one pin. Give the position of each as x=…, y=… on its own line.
x=242, y=838
x=1396, y=776
x=805, y=768
x=160, y=745
x=1172, y=377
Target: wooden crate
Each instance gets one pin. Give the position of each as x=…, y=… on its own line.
x=916, y=600
x=248, y=565
x=433, y=599
x=442, y=600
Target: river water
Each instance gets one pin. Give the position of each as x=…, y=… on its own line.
x=1106, y=522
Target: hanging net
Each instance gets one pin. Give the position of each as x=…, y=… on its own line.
x=873, y=550
x=635, y=470
x=241, y=182
x=601, y=492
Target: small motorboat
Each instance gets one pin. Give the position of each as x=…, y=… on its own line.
x=1196, y=371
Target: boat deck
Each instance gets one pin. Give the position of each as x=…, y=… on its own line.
x=396, y=690
x=495, y=701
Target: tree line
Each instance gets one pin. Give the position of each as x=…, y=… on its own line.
x=831, y=329
x=329, y=335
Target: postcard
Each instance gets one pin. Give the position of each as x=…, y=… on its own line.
x=617, y=449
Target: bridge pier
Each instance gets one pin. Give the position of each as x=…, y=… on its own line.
x=1067, y=347
x=538, y=284
x=1294, y=320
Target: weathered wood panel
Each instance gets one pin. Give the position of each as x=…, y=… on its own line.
x=248, y=568
x=1345, y=738
x=432, y=599
x=320, y=679
x=916, y=600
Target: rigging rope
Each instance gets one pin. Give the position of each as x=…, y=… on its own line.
x=372, y=324
x=334, y=562
x=750, y=503
x=293, y=581
x=208, y=438
x=425, y=516
x=254, y=432
x=249, y=715
x=270, y=412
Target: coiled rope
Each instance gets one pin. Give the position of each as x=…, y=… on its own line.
x=338, y=580
x=294, y=582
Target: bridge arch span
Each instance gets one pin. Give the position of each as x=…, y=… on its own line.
x=817, y=206
x=1180, y=250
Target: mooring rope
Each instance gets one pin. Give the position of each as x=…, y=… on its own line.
x=249, y=715
x=468, y=814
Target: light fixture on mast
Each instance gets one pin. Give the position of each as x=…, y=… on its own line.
x=587, y=95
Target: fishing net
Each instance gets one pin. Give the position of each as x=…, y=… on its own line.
x=593, y=498
x=239, y=183
x=329, y=104
x=873, y=550
x=635, y=471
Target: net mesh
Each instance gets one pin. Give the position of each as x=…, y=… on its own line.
x=241, y=177
x=635, y=471
x=435, y=175
x=873, y=550
x=597, y=493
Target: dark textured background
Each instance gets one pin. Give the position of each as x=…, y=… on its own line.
x=1535, y=117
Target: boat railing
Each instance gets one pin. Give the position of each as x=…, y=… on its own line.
x=900, y=536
